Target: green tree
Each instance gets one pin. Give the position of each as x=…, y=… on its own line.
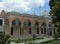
x=55, y=13
x=51, y=3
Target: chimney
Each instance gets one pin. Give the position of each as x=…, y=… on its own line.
x=3, y=13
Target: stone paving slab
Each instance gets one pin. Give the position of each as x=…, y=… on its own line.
x=43, y=40
x=37, y=41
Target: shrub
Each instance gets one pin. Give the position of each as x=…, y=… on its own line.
x=3, y=38
x=55, y=36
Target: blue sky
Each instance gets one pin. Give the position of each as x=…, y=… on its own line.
x=0, y=0
x=25, y=6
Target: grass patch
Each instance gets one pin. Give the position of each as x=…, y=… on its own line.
x=51, y=42
x=32, y=43
x=22, y=40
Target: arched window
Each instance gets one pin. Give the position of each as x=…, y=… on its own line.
x=42, y=31
x=27, y=23
x=44, y=24
x=20, y=31
x=37, y=30
x=16, y=22
x=36, y=24
x=29, y=30
x=37, y=27
x=49, y=24
x=11, y=30
x=1, y=22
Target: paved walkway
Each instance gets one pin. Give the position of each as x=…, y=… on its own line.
x=37, y=41
x=58, y=40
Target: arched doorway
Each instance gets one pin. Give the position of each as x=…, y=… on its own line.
x=37, y=27
x=50, y=32
x=16, y=24
x=27, y=27
x=43, y=28
x=11, y=30
x=50, y=28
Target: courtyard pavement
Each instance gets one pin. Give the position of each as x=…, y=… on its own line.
x=37, y=41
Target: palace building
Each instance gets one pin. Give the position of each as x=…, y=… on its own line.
x=22, y=26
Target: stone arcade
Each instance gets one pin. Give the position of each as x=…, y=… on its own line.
x=21, y=26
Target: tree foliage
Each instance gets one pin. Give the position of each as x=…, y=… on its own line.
x=51, y=3
x=3, y=38
x=55, y=13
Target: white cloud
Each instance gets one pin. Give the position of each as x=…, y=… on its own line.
x=17, y=5
x=1, y=6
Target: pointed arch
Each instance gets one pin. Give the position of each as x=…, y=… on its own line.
x=37, y=27
x=16, y=22
x=43, y=24
x=27, y=23
x=49, y=24
x=37, y=24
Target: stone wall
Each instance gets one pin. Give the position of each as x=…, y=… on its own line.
x=24, y=32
